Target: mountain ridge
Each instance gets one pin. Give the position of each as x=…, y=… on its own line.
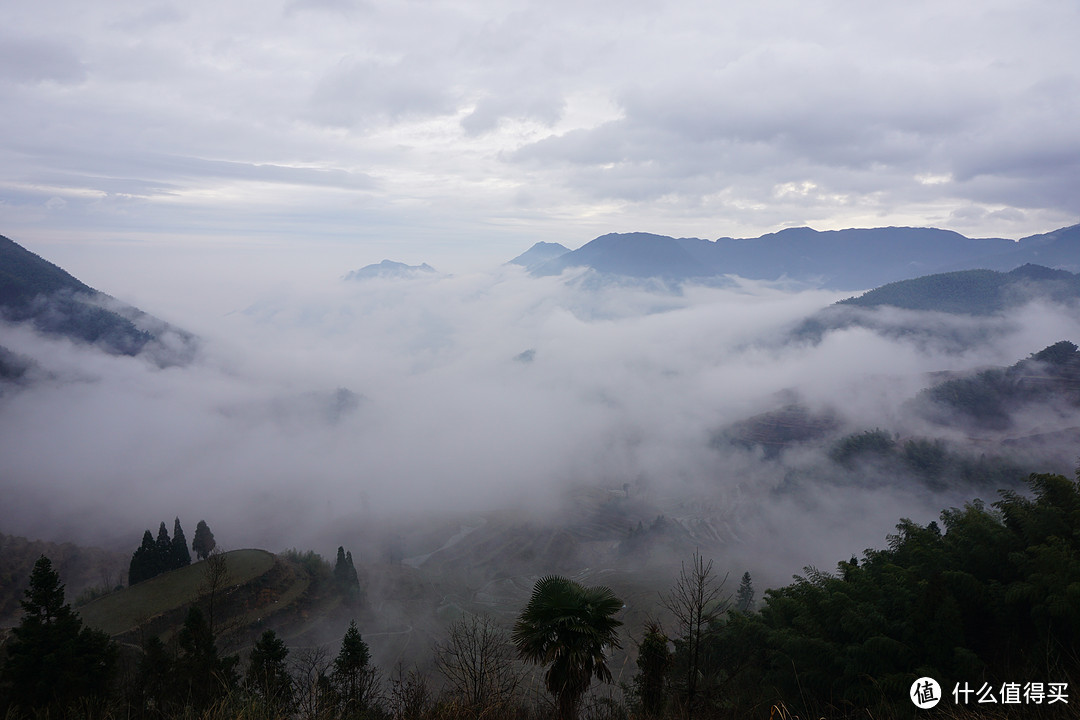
x=56, y=303
x=850, y=259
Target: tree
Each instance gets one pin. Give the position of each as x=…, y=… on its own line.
x=696, y=602
x=352, y=580
x=53, y=660
x=202, y=675
x=155, y=557
x=313, y=690
x=216, y=578
x=744, y=599
x=164, y=549
x=653, y=662
x=479, y=664
x=339, y=565
x=179, y=551
x=268, y=675
x=144, y=561
x=203, y=543
x=353, y=680
x=410, y=697
x=567, y=626
x=345, y=577
x=155, y=681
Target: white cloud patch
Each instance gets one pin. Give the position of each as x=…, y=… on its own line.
x=323, y=408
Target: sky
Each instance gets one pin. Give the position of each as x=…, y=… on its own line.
x=329, y=134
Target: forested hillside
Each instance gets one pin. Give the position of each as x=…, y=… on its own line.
x=984, y=601
x=35, y=291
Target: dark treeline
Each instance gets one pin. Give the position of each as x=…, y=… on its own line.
x=987, y=598
x=154, y=557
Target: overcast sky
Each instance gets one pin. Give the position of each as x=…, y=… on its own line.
x=448, y=131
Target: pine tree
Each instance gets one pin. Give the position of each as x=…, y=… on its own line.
x=156, y=682
x=268, y=675
x=345, y=577
x=143, y=561
x=351, y=577
x=164, y=550
x=340, y=570
x=202, y=676
x=203, y=543
x=53, y=660
x=352, y=679
x=654, y=661
x=744, y=598
x=180, y=555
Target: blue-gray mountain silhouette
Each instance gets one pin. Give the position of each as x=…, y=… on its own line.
x=34, y=290
x=390, y=269
x=539, y=254
x=841, y=259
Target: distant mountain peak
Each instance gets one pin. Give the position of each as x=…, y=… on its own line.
x=637, y=255
x=540, y=253
x=390, y=269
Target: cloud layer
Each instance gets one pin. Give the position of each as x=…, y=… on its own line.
x=477, y=125
x=321, y=409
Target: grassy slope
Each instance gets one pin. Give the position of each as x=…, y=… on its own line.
x=123, y=611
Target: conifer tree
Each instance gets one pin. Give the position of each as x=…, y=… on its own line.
x=180, y=555
x=353, y=680
x=340, y=570
x=53, y=660
x=744, y=598
x=203, y=543
x=654, y=662
x=350, y=568
x=164, y=550
x=156, y=680
x=203, y=676
x=268, y=674
x=144, y=563
x=345, y=577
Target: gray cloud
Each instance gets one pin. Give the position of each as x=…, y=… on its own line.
x=362, y=91
x=30, y=60
x=694, y=118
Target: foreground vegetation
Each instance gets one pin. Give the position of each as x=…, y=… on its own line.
x=989, y=598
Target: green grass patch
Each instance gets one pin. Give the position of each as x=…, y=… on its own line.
x=126, y=609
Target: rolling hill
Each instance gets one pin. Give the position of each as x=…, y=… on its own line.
x=974, y=292
x=896, y=309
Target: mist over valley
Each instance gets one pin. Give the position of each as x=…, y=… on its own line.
x=686, y=361
x=391, y=405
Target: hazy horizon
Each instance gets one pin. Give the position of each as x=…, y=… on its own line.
x=431, y=132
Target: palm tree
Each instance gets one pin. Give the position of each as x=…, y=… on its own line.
x=568, y=626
